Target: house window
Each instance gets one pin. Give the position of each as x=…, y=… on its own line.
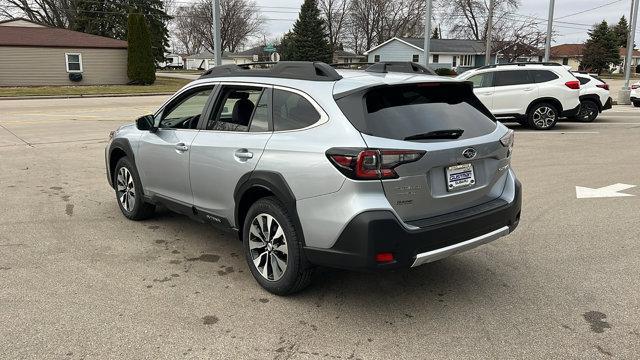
x=376, y=58
x=454, y=60
x=565, y=61
x=466, y=60
x=74, y=62
x=436, y=58
x=415, y=58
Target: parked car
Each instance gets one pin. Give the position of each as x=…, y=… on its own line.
x=535, y=94
x=594, y=97
x=366, y=170
x=635, y=94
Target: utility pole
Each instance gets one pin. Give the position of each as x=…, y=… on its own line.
x=625, y=92
x=547, y=46
x=427, y=32
x=215, y=14
x=487, y=56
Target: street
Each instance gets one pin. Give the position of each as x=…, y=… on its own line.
x=79, y=281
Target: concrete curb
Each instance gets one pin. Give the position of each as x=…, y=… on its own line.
x=37, y=97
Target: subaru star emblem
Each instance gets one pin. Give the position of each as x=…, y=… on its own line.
x=469, y=153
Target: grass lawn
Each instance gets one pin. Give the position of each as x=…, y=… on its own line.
x=162, y=85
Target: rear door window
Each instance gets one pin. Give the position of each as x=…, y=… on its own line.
x=292, y=111
x=482, y=80
x=511, y=77
x=542, y=76
x=403, y=111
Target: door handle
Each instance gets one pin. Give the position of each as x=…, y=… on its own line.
x=486, y=94
x=181, y=147
x=243, y=154
x=528, y=89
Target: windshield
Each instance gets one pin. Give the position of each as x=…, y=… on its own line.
x=405, y=111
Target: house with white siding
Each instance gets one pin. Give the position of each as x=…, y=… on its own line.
x=444, y=53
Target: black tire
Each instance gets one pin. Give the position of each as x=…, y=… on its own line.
x=589, y=111
x=542, y=116
x=138, y=209
x=636, y=103
x=298, y=272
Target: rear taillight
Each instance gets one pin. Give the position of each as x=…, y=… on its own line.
x=573, y=84
x=507, y=141
x=371, y=164
x=603, y=86
x=635, y=86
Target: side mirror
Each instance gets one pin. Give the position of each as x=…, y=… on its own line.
x=146, y=123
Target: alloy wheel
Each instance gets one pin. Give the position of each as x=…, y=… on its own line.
x=587, y=111
x=544, y=117
x=126, y=189
x=268, y=247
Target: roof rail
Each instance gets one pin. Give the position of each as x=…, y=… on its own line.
x=389, y=66
x=399, y=66
x=300, y=70
x=519, y=64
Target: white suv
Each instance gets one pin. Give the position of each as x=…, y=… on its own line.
x=635, y=94
x=536, y=94
x=594, y=97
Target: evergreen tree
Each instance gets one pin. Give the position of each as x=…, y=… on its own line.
x=110, y=18
x=601, y=49
x=140, y=62
x=308, y=40
x=435, y=34
x=621, y=30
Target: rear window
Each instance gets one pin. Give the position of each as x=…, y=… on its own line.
x=583, y=80
x=401, y=111
x=511, y=77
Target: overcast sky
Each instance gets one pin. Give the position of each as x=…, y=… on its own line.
x=569, y=29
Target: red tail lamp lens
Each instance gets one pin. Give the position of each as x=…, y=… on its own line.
x=574, y=84
x=371, y=164
x=384, y=257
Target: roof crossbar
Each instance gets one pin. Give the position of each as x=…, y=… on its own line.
x=299, y=70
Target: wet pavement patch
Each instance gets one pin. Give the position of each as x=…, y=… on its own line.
x=263, y=300
x=206, y=258
x=226, y=271
x=210, y=320
x=69, y=209
x=596, y=321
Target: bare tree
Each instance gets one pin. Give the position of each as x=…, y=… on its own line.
x=184, y=24
x=334, y=13
x=56, y=13
x=239, y=21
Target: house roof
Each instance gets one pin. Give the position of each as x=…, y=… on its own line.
x=256, y=50
x=55, y=37
x=567, y=50
x=20, y=21
x=456, y=46
x=623, y=52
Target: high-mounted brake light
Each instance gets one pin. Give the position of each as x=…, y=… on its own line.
x=371, y=164
x=603, y=86
x=573, y=84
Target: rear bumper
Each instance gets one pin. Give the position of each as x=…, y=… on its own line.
x=607, y=105
x=378, y=231
x=571, y=112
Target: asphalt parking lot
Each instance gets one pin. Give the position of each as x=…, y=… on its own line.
x=80, y=281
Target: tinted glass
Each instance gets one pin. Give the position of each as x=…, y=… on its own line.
x=481, y=80
x=185, y=112
x=583, y=80
x=292, y=111
x=511, y=77
x=397, y=112
x=540, y=76
x=262, y=114
x=234, y=108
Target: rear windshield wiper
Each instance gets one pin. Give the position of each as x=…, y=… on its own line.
x=437, y=134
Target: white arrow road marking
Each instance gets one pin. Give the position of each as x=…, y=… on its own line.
x=603, y=192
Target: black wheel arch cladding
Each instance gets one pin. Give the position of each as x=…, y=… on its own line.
x=264, y=183
x=119, y=148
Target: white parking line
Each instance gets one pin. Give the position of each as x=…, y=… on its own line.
x=557, y=132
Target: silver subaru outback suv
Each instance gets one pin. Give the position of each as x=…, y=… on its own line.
x=363, y=170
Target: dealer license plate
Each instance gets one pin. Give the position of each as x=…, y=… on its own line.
x=460, y=176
